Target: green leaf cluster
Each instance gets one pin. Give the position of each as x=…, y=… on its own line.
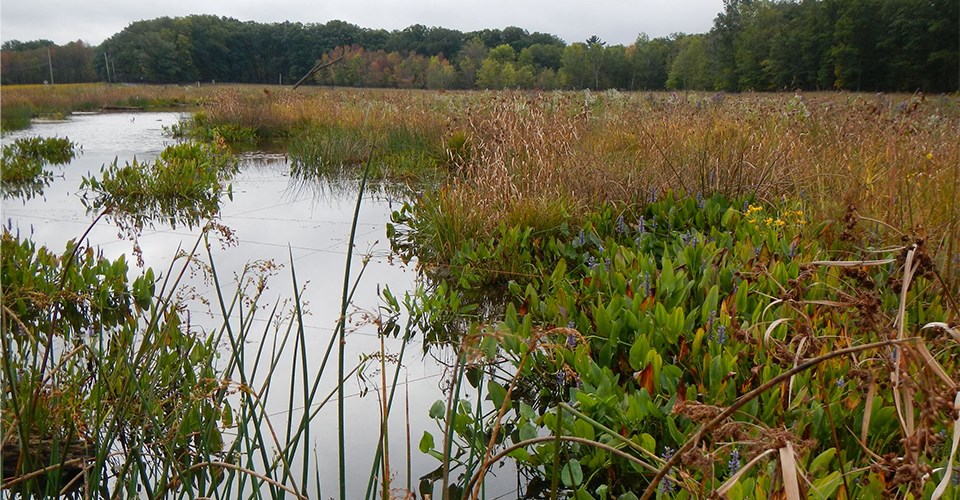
x=650, y=322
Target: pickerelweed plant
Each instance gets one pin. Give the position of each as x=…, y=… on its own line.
x=703, y=346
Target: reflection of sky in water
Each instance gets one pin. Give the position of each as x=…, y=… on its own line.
x=273, y=218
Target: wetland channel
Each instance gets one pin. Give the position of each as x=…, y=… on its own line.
x=272, y=217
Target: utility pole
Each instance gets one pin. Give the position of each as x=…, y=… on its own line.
x=106, y=66
x=50, y=64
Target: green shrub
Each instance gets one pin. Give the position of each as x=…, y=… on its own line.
x=103, y=384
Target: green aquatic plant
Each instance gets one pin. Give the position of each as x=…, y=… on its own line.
x=200, y=128
x=332, y=153
x=696, y=333
x=23, y=163
x=109, y=390
x=15, y=117
x=105, y=384
x=46, y=150
x=183, y=186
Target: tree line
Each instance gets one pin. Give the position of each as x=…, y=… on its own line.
x=890, y=45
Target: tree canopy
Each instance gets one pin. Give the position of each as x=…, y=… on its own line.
x=891, y=45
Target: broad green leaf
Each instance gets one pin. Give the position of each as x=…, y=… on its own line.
x=825, y=486
x=497, y=393
x=648, y=442
x=426, y=442
x=638, y=353
x=582, y=494
x=710, y=304
x=527, y=431
x=520, y=454
x=572, y=474
x=527, y=411
x=822, y=461
x=438, y=409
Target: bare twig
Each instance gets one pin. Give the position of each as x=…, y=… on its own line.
x=317, y=67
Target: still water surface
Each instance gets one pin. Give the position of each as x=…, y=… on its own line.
x=272, y=218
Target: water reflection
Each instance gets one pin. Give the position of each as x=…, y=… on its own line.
x=26, y=190
x=337, y=182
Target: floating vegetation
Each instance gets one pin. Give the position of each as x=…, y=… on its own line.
x=183, y=187
x=199, y=128
x=23, y=164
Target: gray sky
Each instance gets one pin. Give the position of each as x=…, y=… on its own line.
x=617, y=22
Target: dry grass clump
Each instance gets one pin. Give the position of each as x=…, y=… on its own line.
x=278, y=111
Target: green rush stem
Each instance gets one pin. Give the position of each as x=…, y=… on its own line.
x=448, y=432
x=384, y=416
x=341, y=451
x=836, y=440
x=555, y=479
x=477, y=417
x=406, y=390
x=303, y=355
x=237, y=350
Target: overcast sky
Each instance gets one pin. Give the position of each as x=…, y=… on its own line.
x=617, y=22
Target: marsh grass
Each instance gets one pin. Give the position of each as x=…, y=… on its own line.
x=16, y=117
x=23, y=102
x=534, y=156
x=403, y=156
x=891, y=157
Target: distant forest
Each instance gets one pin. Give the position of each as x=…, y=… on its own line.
x=889, y=45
